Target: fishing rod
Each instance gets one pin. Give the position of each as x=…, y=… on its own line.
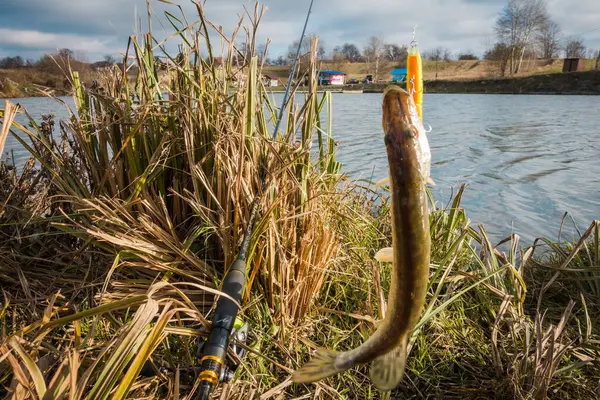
x=214, y=350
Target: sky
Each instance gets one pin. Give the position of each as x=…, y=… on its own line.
x=94, y=28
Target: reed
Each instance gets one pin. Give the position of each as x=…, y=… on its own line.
x=118, y=231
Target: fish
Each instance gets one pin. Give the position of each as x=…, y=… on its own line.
x=409, y=161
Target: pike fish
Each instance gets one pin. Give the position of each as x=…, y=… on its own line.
x=409, y=160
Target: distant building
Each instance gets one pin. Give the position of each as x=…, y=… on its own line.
x=330, y=77
x=271, y=80
x=573, y=65
x=398, y=74
x=102, y=66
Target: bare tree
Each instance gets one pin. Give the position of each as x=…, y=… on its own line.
x=434, y=55
x=350, y=52
x=12, y=62
x=261, y=52
x=575, y=48
x=304, y=48
x=597, y=57
x=393, y=52
x=65, y=54
x=109, y=59
x=320, y=51
x=499, y=54
x=375, y=52
x=447, y=55
x=281, y=60
x=548, y=39
x=244, y=52
x=516, y=24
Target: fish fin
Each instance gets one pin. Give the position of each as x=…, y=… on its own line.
x=320, y=366
x=430, y=181
x=385, y=255
x=384, y=181
x=387, y=370
x=377, y=323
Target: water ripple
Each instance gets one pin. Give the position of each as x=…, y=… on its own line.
x=527, y=159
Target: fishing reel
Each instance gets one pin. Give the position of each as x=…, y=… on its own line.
x=213, y=369
x=238, y=338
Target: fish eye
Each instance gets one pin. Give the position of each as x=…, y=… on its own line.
x=410, y=134
x=387, y=139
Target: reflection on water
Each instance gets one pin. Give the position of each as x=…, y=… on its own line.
x=526, y=159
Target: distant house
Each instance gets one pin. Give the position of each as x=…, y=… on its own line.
x=573, y=65
x=271, y=80
x=330, y=77
x=399, y=75
x=102, y=66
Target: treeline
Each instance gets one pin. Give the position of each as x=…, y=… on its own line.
x=378, y=53
x=56, y=62
x=20, y=77
x=524, y=30
x=376, y=47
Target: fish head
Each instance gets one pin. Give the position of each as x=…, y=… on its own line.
x=404, y=129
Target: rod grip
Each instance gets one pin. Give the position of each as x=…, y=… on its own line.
x=214, y=351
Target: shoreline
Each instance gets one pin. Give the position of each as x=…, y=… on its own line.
x=374, y=91
x=585, y=83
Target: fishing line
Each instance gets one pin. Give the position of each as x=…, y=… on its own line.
x=263, y=172
x=414, y=37
x=214, y=350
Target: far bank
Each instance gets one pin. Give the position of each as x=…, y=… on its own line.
x=574, y=83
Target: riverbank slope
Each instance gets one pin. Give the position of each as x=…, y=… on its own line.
x=574, y=83
x=467, y=76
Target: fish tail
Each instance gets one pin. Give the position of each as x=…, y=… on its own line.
x=384, y=181
x=322, y=365
x=387, y=370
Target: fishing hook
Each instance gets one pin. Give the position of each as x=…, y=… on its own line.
x=414, y=37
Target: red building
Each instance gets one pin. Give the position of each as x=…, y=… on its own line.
x=330, y=77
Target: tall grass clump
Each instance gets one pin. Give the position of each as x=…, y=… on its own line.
x=152, y=181
x=117, y=233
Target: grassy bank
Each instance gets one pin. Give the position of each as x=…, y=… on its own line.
x=116, y=234
x=41, y=81
x=442, y=70
x=574, y=83
x=581, y=83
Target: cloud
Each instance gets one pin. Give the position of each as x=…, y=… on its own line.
x=103, y=26
x=35, y=40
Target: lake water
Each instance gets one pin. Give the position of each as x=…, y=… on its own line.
x=526, y=159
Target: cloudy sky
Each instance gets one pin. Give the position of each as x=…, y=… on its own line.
x=97, y=27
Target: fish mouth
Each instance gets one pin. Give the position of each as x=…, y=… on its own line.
x=398, y=121
x=403, y=129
